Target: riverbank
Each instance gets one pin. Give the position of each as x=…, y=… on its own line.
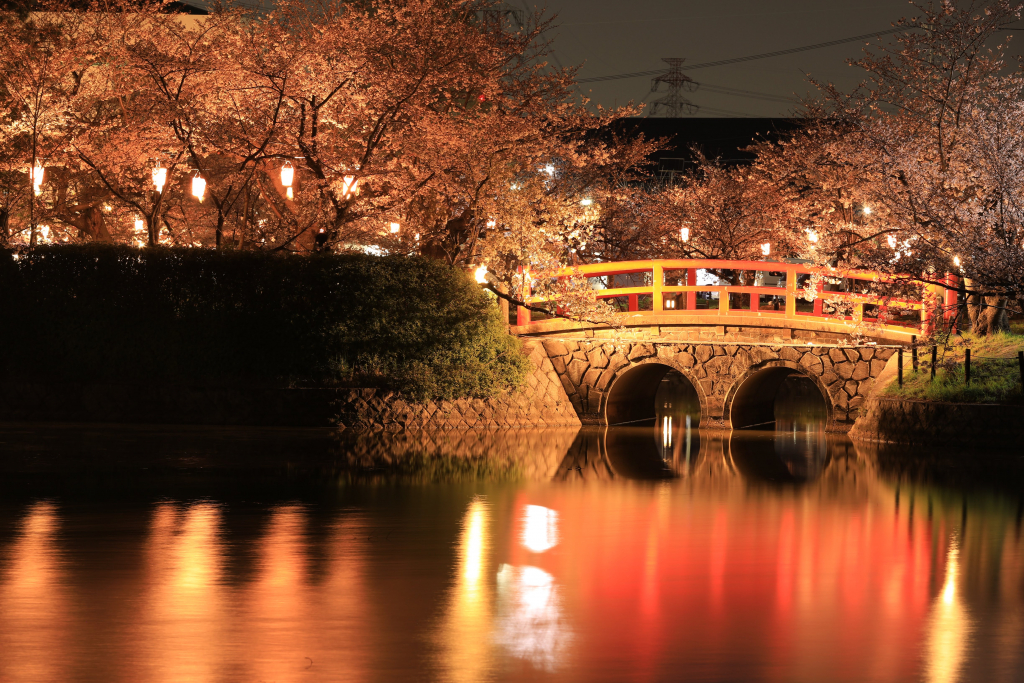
x=988, y=411
x=541, y=401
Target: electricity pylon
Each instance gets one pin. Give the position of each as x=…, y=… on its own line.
x=673, y=103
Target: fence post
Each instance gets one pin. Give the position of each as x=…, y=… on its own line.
x=899, y=367
x=967, y=366
x=935, y=358
x=1020, y=363
x=658, y=276
x=913, y=351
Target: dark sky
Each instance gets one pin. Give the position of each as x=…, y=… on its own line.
x=612, y=37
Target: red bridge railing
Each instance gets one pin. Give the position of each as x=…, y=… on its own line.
x=662, y=287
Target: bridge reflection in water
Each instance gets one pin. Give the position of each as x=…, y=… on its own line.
x=788, y=556
x=793, y=447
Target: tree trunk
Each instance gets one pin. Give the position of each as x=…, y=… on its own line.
x=987, y=313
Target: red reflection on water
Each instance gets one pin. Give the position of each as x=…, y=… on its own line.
x=785, y=587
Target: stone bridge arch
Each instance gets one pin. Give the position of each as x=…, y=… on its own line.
x=751, y=400
x=589, y=368
x=632, y=390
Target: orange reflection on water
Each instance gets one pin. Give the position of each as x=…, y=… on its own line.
x=186, y=617
x=465, y=631
x=33, y=604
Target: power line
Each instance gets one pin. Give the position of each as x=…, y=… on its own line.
x=736, y=92
x=737, y=60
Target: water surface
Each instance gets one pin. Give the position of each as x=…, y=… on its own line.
x=649, y=553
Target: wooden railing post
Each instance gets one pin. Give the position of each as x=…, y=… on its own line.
x=723, y=302
x=634, y=302
x=818, y=303
x=950, y=299
x=791, y=278
x=658, y=276
x=691, y=297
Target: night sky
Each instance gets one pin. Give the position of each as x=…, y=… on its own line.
x=612, y=37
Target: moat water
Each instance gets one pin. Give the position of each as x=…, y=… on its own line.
x=639, y=553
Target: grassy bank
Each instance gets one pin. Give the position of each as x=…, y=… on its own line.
x=100, y=313
x=995, y=373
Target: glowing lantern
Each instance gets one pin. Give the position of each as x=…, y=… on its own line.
x=159, y=177
x=288, y=193
x=867, y=210
x=766, y=249
x=684, y=234
x=287, y=174
x=199, y=187
x=36, y=174
x=586, y=202
x=956, y=261
x=812, y=236
x=550, y=170
x=480, y=274
x=491, y=223
x=349, y=186
x=395, y=227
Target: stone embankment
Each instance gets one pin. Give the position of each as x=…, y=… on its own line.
x=541, y=402
x=903, y=421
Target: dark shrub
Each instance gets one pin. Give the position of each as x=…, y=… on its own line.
x=112, y=313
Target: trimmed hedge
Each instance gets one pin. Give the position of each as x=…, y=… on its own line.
x=99, y=313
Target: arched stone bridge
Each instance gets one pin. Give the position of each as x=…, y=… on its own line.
x=735, y=343
x=615, y=381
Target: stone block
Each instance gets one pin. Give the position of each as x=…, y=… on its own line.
x=861, y=371
x=579, y=354
x=555, y=348
x=591, y=377
x=837, y=355
x=852, y=355
x=851, y=388
x=597, y=358
x=559, y=365
x=576, y=369
x=877, y=365
x=641, y=351
x=845, y=370
x=617, y=361
x=867, y=354
x=606, y=378
x=812, y=363
x=567, y=384
x=790, y=353
x=666, y=352
x=685, y=359
x=703, y=353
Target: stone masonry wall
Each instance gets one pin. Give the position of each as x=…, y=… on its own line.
x=541, y=402
x=588, y=369
x=892, y=420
